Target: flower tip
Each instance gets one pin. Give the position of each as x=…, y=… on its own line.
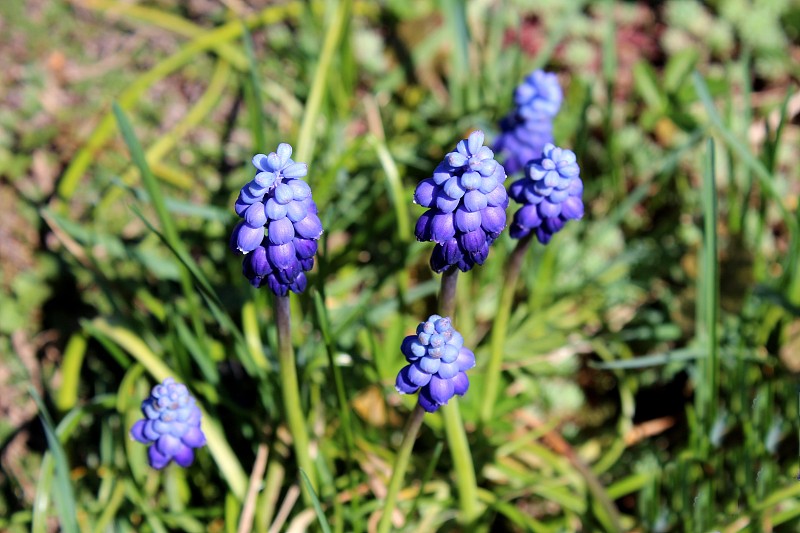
x=284, y=149
x=259, y=161
x=475, y=141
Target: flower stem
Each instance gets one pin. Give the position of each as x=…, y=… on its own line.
x=400, y=466
x=500, y=327
x=447, y=295
x=462, y=459
x=453, y=426
x=290, y=388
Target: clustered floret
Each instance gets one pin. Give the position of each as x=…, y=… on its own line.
x=437, y=365
x=550, y=194
x=526, y=130
x=171, y=424
x=277, y=201
x=467, y=201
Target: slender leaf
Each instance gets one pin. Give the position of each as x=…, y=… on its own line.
x=63, y=490
x=323, y=522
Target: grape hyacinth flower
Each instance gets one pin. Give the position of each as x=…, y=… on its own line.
x=467, y=202
x=171, y=424
x=526, y=130
x=437, y=365
x=280, y=228
x=538, y=95
x=550, y=194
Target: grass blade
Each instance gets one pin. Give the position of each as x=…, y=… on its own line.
x=455, y=15
x=764, y=176
x=64, y=496
x=709, y=298
x=167, y=224
x=67, y=395
x=323, y=522
x=253, y=93
x=305, y=139
x=254, y=364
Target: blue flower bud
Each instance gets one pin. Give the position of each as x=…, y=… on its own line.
x=437, y=363
x=465, y=186
x=309, y=227
x=248, y=237
x=442, y=228
x=550, y=194
x=280, y=202
x=171, y=425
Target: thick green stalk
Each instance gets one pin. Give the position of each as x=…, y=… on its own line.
x=500, y=328
x=400, y=466
x=447, y=294
x=462, y=459
x=291, y=390
x=453, y=426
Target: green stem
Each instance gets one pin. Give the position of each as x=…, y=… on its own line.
x=400, y=467
x=291, y=390
x=453, y=426
x=462, y=459
x=447, y=294
x=500, y=328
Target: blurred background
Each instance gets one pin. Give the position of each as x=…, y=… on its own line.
x=657, y=341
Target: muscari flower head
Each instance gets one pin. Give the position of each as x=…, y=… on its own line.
x=550, y=194
x=467, y=201
x=529, y=126
x=538, y=95
x=171, y=424
x=437, y=363
x=280, y=228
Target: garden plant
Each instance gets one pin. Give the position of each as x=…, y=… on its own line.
x=422, y=266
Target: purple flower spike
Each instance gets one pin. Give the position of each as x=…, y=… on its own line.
x=437, y=364
x=529, y=127
x=171, y=425
x=550, y=194
x=466, y=200
x=280, y=224
x=539, y=94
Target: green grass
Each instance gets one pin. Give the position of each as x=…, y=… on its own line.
x=650, y=352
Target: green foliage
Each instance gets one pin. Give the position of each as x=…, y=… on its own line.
x=651, y=353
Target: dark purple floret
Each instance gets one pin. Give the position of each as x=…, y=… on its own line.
x=280, y=228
